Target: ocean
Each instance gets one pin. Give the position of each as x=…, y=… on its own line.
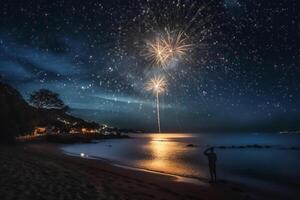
x=264, y=160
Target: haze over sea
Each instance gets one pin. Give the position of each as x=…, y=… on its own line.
x=263, y=160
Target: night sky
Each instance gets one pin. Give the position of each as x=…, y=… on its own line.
x=241, y=72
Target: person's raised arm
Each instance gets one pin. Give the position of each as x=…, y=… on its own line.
x=206, y=151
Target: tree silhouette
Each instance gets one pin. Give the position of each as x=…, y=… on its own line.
x=47, y=99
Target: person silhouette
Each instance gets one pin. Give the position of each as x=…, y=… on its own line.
x=212, y=158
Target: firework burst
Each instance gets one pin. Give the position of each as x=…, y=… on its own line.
x=157, y=85
x=167, y=34
x=170, y=46
x=157, y=53
x=177, y=44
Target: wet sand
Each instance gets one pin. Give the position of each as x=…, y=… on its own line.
x=42, y=171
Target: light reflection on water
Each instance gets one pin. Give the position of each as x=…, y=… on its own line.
x=273, y=168
x=163, y=150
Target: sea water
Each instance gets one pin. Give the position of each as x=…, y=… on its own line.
x=265, y=160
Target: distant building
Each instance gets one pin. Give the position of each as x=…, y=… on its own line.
x=39, y=131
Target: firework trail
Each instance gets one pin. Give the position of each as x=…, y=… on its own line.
x=157, y=85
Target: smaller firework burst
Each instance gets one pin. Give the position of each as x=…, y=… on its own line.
x=157, y=85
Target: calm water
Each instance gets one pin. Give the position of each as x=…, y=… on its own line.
x=275, y=168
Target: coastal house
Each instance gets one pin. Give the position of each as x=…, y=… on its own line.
x=43, y=130
x=85, y=128
x=54, y=128
x=39, y=131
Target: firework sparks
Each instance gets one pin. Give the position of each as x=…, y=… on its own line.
x=157, y=53
x=157, y=85
x=172, y=45
x=177, y=44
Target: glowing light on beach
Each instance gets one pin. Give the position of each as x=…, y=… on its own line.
x=82, y=155
x=157, y=85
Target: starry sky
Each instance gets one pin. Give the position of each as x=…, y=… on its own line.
x=240, y=74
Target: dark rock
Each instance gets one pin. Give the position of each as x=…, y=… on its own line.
x=191, y=145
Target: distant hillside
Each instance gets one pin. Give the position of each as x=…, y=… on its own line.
x=16, y=116
x=19, y=118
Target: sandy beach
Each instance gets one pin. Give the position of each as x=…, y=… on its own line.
x=42, y=171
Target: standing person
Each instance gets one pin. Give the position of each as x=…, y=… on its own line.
x=212, y=158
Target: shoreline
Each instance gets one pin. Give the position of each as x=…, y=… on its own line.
x=201, y=181
x=178, y=178
x=43, y=171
